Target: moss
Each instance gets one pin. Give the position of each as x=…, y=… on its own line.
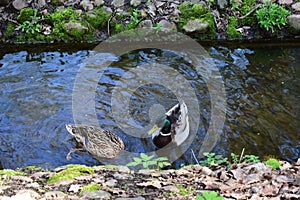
x=231, y=28
x=10, y=30
x=119, y=28
x=97, y=18
x=90, y=188
x=25, y=15
x=11, y=172
x=190, y=11
x=184, y=191
x=71, y=172
x=274, y=163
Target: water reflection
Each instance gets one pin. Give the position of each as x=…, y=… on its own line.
x=262, y=86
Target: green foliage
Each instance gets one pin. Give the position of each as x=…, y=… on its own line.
x=135, y=19
x=25, y=15
x=97, y=18
x=244, y=7
x=32, y=26
x=184, y=191
x=11, y=172
x=272, y=16
x=71, y=172
x=213, y=159
x=90, y=188
x=231, y=28
x=10, y=30
x=148, y=161
x=274, y=163
x=209, y=196
x=244, y=158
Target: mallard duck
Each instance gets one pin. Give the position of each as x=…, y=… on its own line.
x=98, y=142
x=172, y=127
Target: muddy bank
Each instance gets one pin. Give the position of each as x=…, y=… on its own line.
x=240, y=181
x=95, y=20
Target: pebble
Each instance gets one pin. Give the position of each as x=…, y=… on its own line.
x=111, y=183
x=98, y=194
x=55, y=195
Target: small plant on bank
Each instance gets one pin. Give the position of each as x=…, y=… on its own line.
x=213, y=159
x=148, y=161
x=209, y=196
x=274, y=163
x=33, y=25
x=244, y=158
x=90, y=188
x=272, y=16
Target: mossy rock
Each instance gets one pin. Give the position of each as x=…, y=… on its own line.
x=90, y=188
x=25, y=15
x=70, y=173
x=97, y=18
x=10, y=30
x=11, y=172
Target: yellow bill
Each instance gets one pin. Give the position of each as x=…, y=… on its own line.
x=153, y=130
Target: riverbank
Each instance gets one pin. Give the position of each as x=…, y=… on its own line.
x=95, y=20
x=240, y=181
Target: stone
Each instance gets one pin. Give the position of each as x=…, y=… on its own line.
x=87, y=5
x=111, y=183
x=296, y=6
x=75, y=188
x=41, y=4
x=117, y=3
x=146, y=23
x=134, y=198
x=55, y=195
x=171, y=188
x=167, y=26
x=20, y=4
x=135, y=2
x=294, y=21
x=195, y=25
x=286, y=2
x=26, y=194
x=75, y=25
x=222, y=3
x=98, y=2
x=22, y=179
x=98, y=194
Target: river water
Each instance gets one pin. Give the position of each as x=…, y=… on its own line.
x=262, y=84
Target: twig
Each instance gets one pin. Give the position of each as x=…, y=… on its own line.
x=194, y=156
x=242, y=154
x=251, y=11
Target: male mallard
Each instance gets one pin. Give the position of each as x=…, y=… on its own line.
x=172, y=127
x=98, y=142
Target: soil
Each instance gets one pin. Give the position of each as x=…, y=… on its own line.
x=240, y=181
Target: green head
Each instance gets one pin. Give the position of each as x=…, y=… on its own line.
x=163, y=124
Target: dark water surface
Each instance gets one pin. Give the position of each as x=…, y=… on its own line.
x=262, y=87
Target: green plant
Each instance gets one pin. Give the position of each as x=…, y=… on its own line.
x=184, y=191
x=244, y=158
x=213, y=159
x=135, y=19
x=11, y=172
x=209, y=196
x=10, y=30
x=148, y=161
x=272, y=16
x=90, y=188
x=274, y=163
x=33, y=25
x=231, y=28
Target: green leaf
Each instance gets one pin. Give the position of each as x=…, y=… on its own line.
x=145, y=157
x=132, y=164
x=138, y=160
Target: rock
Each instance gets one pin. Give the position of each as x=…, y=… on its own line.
x=222, y=3
x=146, y=23
x=22, y=179
x=75, y=25
x=286, y=2
x=135, y=198
x=117, y=3
x=122, y=176
x=171, y=188
x=206, y=171
x=135, y=2
x=167, y=26
x=20, y=4
x=41, y=4
x=87, y=5
x=195, y=25
x=296, y=6
x=75, y=188
x=26, y=194
x=98, y=194
x=111, y=183
x=55, y=195
x=98, y=2
x=33, y=185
